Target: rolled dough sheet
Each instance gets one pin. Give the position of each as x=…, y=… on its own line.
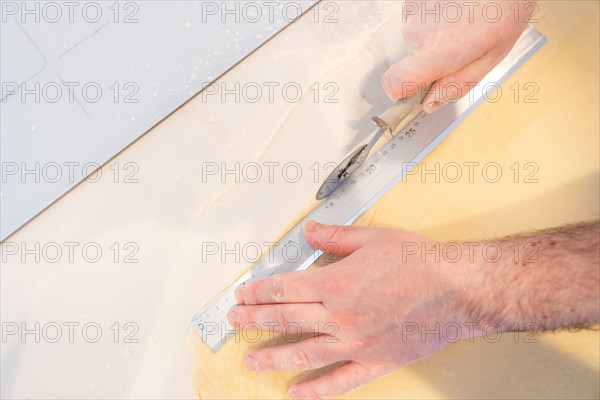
x=563, y=125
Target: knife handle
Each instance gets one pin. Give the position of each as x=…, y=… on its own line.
x=393, y=116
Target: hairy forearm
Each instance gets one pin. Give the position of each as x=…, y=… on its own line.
x=551, y=280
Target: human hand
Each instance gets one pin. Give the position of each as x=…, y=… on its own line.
x=454, y=46
x=372, y=297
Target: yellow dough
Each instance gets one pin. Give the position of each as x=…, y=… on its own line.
x=560, y=134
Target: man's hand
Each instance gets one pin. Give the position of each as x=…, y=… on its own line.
x=454, y=45
x=398, y=297
x=367, y=301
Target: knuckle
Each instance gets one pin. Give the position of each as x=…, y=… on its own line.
x=336, y=284
x=267, y=360
x=250, y=294
x=386, y=80
x=333, y=286
x=277, y=293
x=335, y=235
x=338, y=388
x=302, y=360
x=282, y=319
x=247, y=315
x=350, y=319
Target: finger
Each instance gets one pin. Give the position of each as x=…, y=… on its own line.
x=407, y=77
x=337, y=239
x=456, y=85
x=281, y=317
x=302, y=356
x=291, y=287
x=344, y=379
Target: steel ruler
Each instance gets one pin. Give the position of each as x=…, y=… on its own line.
x=368, y=184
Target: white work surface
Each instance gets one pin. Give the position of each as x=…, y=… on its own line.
x=163, y=213
x=134, y=77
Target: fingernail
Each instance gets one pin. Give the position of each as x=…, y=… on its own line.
x=432, y=106
x=239, y=295
x=234, y=317
x=312, y=226
x=251, y=363
x=451, y=93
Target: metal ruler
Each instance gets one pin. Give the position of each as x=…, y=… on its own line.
x=367, y=185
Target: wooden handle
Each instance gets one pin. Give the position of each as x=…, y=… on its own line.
x=393, y=116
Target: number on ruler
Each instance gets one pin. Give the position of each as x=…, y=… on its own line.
x=410, y=132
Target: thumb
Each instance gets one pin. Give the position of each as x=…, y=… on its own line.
x=406, y=78
x=336, y=239
x=457, y=84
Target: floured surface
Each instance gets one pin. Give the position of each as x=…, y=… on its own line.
x=562, y=140
x=170, y=210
